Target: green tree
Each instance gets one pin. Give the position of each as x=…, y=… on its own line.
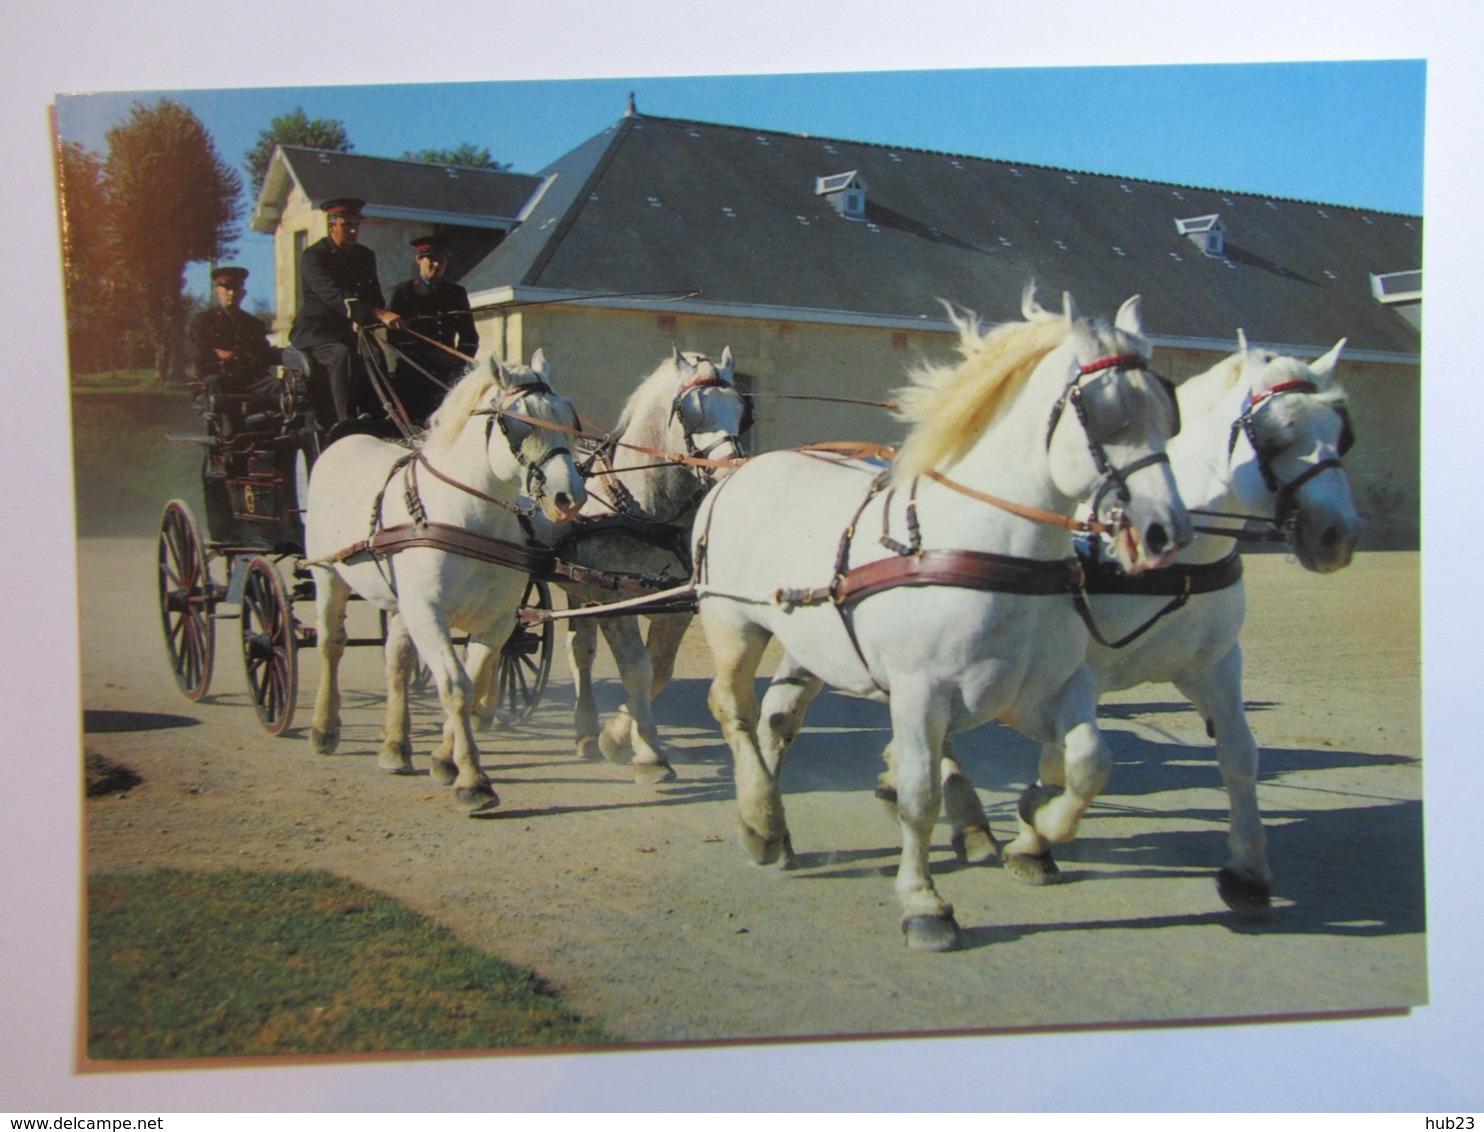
x=465, y=156
x=293, y=128
x=172, y=201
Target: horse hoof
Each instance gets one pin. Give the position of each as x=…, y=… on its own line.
x=1033, y=868
x=324, y=742
x=932, y=933
x=589, y=750
x=763, y=850
x=1248, y=898
x=394, y=761
x=477, y=799
x=650, y=774
x=444, y=773
x=613, y=751
x=975, y=845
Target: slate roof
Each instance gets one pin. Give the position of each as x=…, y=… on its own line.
x=656, y=204
x=476, y=197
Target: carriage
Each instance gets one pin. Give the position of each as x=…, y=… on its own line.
x=250, y=565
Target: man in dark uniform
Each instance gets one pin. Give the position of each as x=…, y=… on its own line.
x=435, y=308
x=231, y=352
x=341, y=293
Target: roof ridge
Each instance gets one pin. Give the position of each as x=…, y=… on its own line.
x=1027, y=165
x=405, y=161
x=621, y=130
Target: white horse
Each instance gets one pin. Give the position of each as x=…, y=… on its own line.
x=967, y=618
x=1260, y=447
x=637, y=520
x=434, y=537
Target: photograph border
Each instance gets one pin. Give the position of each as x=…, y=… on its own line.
x=1419, y=1062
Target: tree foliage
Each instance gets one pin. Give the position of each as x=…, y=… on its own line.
x=465, y=156
x=171, y=201
x=293, y=128
x=96, y=324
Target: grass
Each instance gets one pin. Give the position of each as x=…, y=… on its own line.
x=124, y=381
x=125, y=468
x=237, y=964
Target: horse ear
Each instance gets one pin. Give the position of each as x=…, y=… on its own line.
x=1069, y=307
x=1128, y=317
x=1325, y=366
x=497, y=368
x=1029, y=308
x=726, y=363
x=538, y=364
x=1241, y=341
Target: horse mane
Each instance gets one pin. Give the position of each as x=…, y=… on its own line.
x=1201, y=393
x=458, y=405
x=657, y=380
x=948, y=406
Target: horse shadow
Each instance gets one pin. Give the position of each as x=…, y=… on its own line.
x=1345, y=873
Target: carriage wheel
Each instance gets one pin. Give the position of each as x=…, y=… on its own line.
x=525, y=661
x=269, y=647
x=186, y=601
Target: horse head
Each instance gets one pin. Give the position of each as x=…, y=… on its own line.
x=706, y=409
x=1286, y=450
x=1108, y=431
x=535, y=422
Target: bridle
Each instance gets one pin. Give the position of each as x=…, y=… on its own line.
x=622, y=501
x=1114, y=479
x=1285, y=493
x=504, y=413
x=690, y=423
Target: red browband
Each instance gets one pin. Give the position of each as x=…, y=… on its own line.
x=1284, y=387
x=1116, y=361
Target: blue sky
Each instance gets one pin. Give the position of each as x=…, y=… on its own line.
x=1340, y=132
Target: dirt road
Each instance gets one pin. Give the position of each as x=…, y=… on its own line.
x=638, y=903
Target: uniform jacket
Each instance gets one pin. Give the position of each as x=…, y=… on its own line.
x=340, y=287
x=439, y=311
x=224, y=328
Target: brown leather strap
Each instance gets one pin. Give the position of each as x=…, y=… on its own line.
x=965, y=569
x=1172, y=581
x=453, y=540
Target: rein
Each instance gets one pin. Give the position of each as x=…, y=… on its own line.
x=513, y=508
x=867, y=450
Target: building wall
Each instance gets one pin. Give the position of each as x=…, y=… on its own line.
x=1385, y=466
x=599, y=356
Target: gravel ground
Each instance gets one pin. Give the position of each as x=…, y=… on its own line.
x=638, y=903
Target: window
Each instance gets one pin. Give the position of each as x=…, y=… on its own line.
x=845, y=191
x=1205, y=232
x=1397, y=287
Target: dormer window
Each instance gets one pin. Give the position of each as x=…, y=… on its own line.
x=1205, y=232
x=1397, y=287
x=846, y=193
